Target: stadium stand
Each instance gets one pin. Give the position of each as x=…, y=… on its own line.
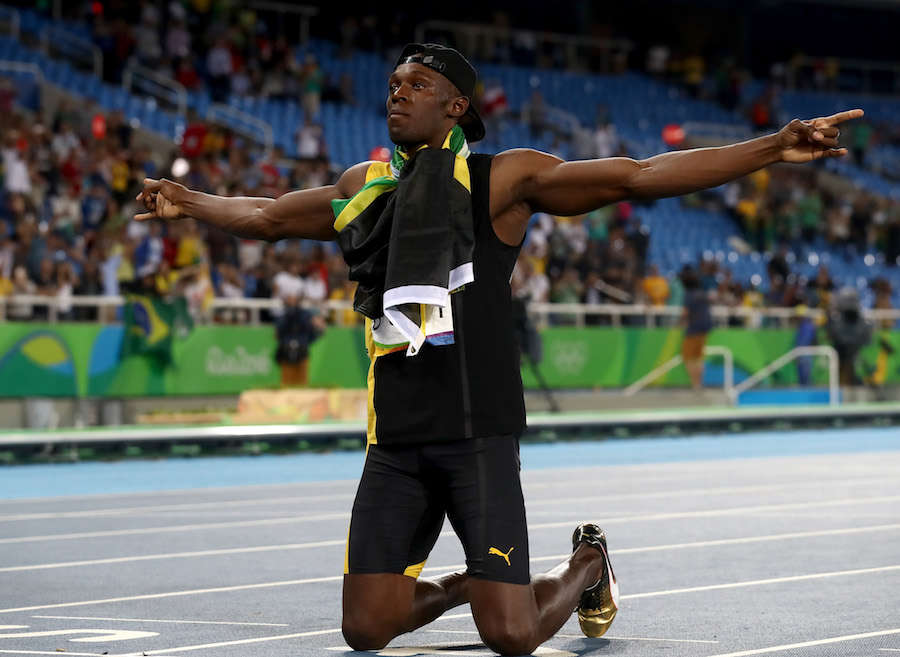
x=636, y=106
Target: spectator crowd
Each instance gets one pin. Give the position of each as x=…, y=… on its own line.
x=69, y=178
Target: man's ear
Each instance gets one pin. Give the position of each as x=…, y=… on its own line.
x=459, y=106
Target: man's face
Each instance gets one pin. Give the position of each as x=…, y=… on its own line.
x=419, y=105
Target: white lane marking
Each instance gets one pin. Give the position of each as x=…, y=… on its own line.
x=176, y=528
x=637, y=638
x=158, y=620
x=559, y=557
x=737, y=490
x=709, y=513
x=555, y=557
x=195, y=506
x=345, y=496
x=335, y=578
x=174, y=594
x=807, y=644
x=734, y=541
x=173, y=555
x=711, y=587
x=537, y=526
x=237, y=642
x=56, y=653
x=759, y=582
x=102, y=635
x=605, y=636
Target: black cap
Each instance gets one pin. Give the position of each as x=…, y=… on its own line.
x=450, y=63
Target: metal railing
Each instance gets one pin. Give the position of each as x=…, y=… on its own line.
x=23, y=67
x=107, y=306
x=243, y=123
x=834, y=391
x=675, y=361
x=152, y=83
x=74, y=47
x=547, y=314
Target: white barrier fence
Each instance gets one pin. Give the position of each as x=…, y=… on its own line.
x=54, y=309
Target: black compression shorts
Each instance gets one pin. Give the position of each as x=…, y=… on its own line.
x=406, y=491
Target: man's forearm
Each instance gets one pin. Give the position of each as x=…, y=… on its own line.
x=683, y=172
x=241, y=216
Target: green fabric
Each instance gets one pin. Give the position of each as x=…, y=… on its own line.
x=151, y=323
x=457, y=144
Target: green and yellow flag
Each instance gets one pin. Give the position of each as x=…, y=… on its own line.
x=151, y=324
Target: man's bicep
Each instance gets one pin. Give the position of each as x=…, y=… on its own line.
x=307, y=213
x=570, y=188
x=302, y=214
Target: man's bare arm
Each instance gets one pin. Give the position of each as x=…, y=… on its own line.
x=302, y=214
x=546, y=183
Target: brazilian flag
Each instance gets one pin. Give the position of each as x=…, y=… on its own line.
x=151, y=324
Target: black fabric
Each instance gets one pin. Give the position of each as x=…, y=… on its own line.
x=432, y=225
x=473, y=387
x=364, y=243
x=412, y=236
x=406, y=490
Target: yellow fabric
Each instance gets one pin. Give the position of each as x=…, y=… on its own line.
x=414, y=570
x=380, y=179
x=657, y=289
x=371, y=438
x=166, y=282
x=348, y=316
x=358, y=203
x=378, y=170
x=189, y=251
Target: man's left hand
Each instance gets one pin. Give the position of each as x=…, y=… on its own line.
x=804, y=141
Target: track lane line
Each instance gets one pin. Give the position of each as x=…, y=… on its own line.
x=808, y=644
x=676, y=515
x=555, y=557
x=337, y=578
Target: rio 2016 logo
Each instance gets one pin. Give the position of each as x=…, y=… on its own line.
x=570, y=357
x=240, y=362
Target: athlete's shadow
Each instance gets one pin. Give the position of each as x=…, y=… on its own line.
x=572, y=649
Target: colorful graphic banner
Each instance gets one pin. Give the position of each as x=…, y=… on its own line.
x=86, y=360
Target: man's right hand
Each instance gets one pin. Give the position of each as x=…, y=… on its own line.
x=163, y=199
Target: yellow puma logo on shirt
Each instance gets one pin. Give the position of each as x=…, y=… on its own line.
x=505, y=555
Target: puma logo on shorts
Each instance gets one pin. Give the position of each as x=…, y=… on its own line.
x=505, y=555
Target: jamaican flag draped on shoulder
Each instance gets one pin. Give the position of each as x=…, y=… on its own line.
x=151, y=324
x=408, y=237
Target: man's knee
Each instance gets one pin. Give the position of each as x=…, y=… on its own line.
x=509, y=638
x=365, y=634
x=376, y=609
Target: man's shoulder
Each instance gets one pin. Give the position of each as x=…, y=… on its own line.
x=525, y=158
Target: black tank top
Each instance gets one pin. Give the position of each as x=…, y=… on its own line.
x=472, y=387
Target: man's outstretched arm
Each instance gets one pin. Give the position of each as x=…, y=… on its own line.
x=301, y=214
x=546, y=183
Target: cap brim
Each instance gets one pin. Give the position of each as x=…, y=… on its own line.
x=472, y=125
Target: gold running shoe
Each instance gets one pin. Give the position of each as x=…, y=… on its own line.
x=598, y=604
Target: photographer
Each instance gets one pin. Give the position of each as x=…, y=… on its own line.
x=295, y=331
x=848, y=332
